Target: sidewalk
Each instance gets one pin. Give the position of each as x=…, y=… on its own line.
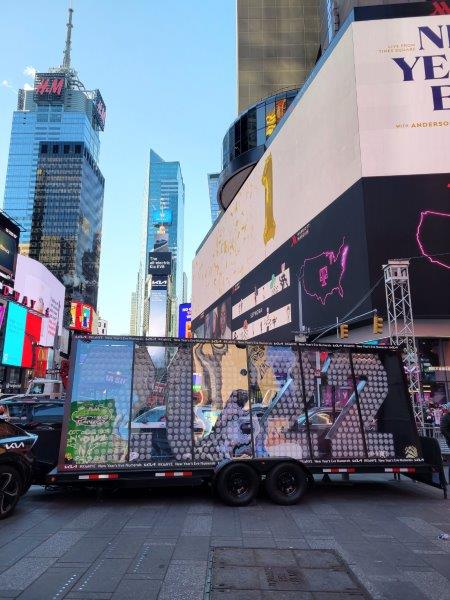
x=159, y=544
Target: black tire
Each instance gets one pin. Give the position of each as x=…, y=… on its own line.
x=286, y=483
x=237, y=484
x=11, y=485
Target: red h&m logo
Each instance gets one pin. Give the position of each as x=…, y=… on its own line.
x=440, y=8
x=50, y=86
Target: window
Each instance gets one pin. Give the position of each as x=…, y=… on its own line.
x=44, y=148
x=55, y=148
x=66, y=148
x=77, y=149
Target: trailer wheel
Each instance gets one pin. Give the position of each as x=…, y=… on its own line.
x=237, y=484
x=11, y=485
x=286, y=483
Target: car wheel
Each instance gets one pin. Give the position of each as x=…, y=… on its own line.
x=10, y=487
x=286, y=483
x=237, y=484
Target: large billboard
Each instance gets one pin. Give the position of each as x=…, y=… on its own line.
x=162, y=216
x=159, y=263
x=14, y=335
x=99, y=110
x=44, y=293
x=184, y=320
x=384, y=75
x=9, y=243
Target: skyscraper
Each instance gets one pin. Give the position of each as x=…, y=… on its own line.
x=277, y=45
x=67, y=218
x=164, y=232
x=213, y=184
x=58, y=109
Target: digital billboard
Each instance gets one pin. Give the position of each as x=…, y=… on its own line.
x=99, y=110
x=45, y=294
x=14, y=335
x=9, y=243
x=82, y=316
x=49, y=87
x=157, y=326
x=159, y=263
x=383, y=77
x=184, y=320
x=162, y=216
x=33, y=325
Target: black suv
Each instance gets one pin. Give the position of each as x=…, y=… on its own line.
x=41, y=417
x=15, y=465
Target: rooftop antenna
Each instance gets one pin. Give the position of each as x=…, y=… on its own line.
x=66, y=59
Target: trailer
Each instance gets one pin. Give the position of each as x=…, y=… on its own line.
x=238, y=415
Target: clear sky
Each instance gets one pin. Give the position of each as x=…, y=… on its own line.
x=167, y=72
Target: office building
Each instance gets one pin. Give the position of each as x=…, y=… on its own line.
x=277, y=45
x=134, y=326
x=213, y=185
x=164, y=235
x=67, y=218
x=58, y=109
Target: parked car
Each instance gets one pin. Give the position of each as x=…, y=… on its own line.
x=41, y=417
x=15, y=465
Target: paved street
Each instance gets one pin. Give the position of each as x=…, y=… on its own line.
x=159, y=545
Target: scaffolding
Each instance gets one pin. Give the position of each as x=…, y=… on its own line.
x=401, y=327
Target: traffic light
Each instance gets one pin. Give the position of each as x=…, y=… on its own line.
x=377, y=326
x=343, y=331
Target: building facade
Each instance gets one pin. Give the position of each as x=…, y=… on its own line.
x=302, y=244
x=277, y=45
x=57, y=109
x=164, y=232
x=213, y=185
x=67, y=218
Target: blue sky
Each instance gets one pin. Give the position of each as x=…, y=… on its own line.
x=167, y=73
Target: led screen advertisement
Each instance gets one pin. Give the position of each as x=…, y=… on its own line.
x=389, y=79
x=162, y=216
x=22, y=335
x=9, y=243
x=159, y=263
x=319, y=274
x=184, y=320
x=410, y=217
x=35, y=282
x=82, y=317
x=135, y=404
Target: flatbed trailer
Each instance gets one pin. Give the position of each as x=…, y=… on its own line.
x=149, y=412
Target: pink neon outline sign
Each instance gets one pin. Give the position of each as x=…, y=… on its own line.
x=332, y=257
x=423, y=215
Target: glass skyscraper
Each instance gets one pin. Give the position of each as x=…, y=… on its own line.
x=57, y=109
x=67, y=218
x=165, y=221
x=213, y=184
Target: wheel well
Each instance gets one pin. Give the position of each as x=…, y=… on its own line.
x=263, y=466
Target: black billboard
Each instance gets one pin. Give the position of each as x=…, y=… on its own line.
x=326, y=270
x=9, y=243
x=159, y=263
